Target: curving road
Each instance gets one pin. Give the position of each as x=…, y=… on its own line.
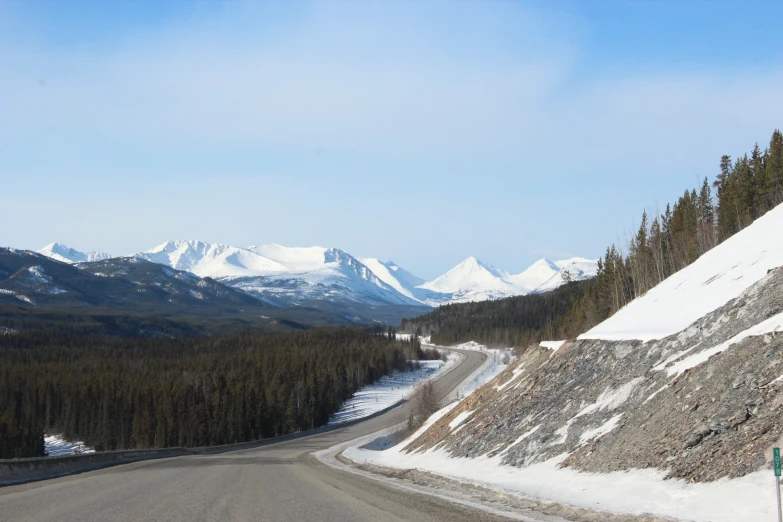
x=278, y=482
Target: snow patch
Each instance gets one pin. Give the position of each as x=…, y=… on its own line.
x=610, y=399
x=707, y=284
x=459, y=419
x=601, y=430
x=55, y=445
x=772, y=324
x=552, y=345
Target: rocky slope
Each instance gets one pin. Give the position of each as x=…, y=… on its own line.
x=704, y=403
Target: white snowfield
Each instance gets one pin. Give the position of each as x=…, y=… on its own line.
x=711, y=281
x=393, y=388
x=391, y=274
x=388, y=391
x=317, y=272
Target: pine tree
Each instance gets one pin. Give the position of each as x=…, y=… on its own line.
x=774, y=169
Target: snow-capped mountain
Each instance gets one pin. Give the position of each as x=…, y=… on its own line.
x=282, y=275
x=312, y=276
x=68, y=255
x=212, y=259
x=535, y=275
x=574, y=269
x=472, y=280
x=398, y=278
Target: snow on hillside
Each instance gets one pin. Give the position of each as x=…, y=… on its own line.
x=286, y=275
x=388, y=391
x=60, y=252
x=211, y=259
x=394, y=276
x=535, y=275
x=295, y=259
x=710, y=282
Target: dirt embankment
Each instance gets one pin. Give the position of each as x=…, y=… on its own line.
x=677, y=404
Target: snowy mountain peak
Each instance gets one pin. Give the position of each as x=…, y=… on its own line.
x=65, y=254
x=211, y=259
x=471, y=274
x=536, y=274
x=544, y=263
x=297, y=275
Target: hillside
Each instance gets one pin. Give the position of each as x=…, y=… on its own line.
x=121, y=295
x=632, y=399
x=678, y=395
x=514, y=321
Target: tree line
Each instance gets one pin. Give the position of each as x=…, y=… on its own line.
x=121, y=393
x=664, y=243
x=745, y=190
x=514, y=321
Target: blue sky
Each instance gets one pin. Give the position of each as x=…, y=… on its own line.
x=421, y=132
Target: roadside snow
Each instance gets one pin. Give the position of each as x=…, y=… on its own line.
x=630, y=492
x=55, y=445
x=498, y=359
x=710, y=282
x=388, y=391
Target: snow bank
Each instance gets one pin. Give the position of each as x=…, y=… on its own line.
x=632, y=492
x=714, y=279
x=498, y=359
x=388, y=391
x=55, y=445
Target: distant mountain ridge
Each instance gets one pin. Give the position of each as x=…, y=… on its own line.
x=333, y=278
x=65, y=254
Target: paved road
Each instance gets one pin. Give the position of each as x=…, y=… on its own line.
x=279, y=482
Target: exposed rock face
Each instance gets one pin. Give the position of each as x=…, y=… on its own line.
x=692, y=403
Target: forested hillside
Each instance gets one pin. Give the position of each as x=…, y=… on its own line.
x=663, y=244
x=515, y=321
x=120, y=393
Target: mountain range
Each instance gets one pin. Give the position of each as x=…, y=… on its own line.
x=334, y=279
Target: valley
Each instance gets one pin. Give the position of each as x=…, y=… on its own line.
x=442, y=261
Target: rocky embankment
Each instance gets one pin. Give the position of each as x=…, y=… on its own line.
x=702, y=404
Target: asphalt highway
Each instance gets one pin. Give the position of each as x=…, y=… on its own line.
x=278, y=482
